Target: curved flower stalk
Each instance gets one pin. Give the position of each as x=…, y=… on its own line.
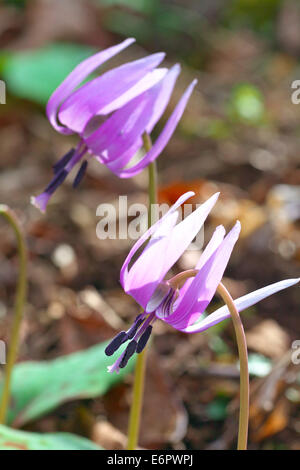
x=111, y=113
x=179, y=301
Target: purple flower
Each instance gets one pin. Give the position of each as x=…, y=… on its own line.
x=111, y=113
x=181, y=306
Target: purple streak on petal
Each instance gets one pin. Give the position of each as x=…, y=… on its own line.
x=204, y=285
x=76, y=77
x=241, y=304
x=124, y=270
x=89, y=100
x=163, y=138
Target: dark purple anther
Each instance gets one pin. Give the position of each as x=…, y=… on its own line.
x=144, y=339
x=115, y=343
x=56, y=182
x=133, y=329
x=63, y=161
x=129, y=351
x=80, y=174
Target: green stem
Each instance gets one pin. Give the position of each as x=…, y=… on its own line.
x=20, y=300
x=140, y=368
x=176, y=282
x=244, y=373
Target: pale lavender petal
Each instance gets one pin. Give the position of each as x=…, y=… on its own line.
x=125, y=157
x=147, y=82
x=241, y=304
x=186, y=230
x=76, y=77
x=204, y=285
x=90, y=99
x=163, y=138
x=165, y=247
x=147, y=272
x=122, y=132
x=211, y=247
x=159, y=108
x=165, y=92
x=151, y=231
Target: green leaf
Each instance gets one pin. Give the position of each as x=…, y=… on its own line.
x=259, y=365
x=34, y=75
x=246, y=104
x=12, y=439
x=40, y=387
x=217, y=409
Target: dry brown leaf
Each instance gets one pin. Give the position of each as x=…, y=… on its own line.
x=268, y=338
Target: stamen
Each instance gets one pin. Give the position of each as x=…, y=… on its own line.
x=129, y=351
x=144, y=339
x=116, y=343
x=80, y=174
x=56, y=181
x=133, y=329
x=63, y=161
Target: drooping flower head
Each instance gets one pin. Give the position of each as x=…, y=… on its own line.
x=111, y=113
x=181, y=306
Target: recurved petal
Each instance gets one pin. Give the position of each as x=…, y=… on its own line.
x=147, y=272
x=92, y=98
x=211, y=247
x=153, y=230
x=122, y=131
x=75, y=78
x=241, y=304
x=147, y=82
x=204, y=285
x=125, y=157
x=163, y=138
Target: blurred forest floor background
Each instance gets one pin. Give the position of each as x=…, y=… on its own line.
x=240, y=134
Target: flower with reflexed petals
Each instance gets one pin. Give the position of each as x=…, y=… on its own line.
x=111, y=113
x=182, y=300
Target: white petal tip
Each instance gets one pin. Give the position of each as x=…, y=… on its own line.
x=238, y=224
x=176, y=67
x=34, y=202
